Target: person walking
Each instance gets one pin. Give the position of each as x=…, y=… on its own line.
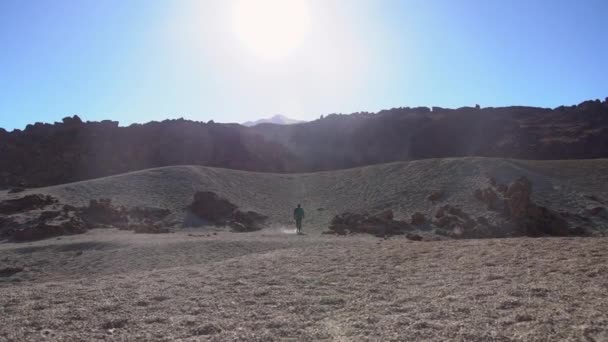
x=298, y=215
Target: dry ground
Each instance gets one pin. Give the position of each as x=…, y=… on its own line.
x=270, y=285
x=402, y=187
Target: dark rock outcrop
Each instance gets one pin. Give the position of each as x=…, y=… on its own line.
x=454, y=222
x=418, y=219
x=435, y=196
x=36, y=217
x=26, y=203
x=9, y=271
x=413, y=237
x=213, y=209
x=72, y=150
x=529, y=219
x=380, y=225
x=209, y=206
x=46, y=229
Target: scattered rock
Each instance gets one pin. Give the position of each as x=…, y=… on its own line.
x=148, y=228
x=418, y=219
x=44, y=230
x=102, y=212
x=413, y=237
x=386, y=215
x=26, y=203
x=207, y=329
x=148, y=213
x=16, y=190
x=250, y=219
x=9, y=271
x=518, y=197
x=380, y=225
x=211, y=208
x=435, y=196
x=114, y=324
x=594, y=198
x=541, y=221
x=238, y=227
x=490, y=198
x=599, y=211
x=528, y=218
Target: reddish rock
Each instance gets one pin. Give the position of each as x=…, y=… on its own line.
x=518, y=197
x=418, y=219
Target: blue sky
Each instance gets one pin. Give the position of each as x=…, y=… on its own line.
x=143, y=60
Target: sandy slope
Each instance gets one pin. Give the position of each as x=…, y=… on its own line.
x=402, y=187
x=264, y=286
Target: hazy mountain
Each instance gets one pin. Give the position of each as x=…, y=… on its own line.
x=277, y=119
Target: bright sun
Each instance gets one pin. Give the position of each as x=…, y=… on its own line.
x=271, y=29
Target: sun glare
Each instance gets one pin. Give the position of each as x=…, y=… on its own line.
x=271, y=29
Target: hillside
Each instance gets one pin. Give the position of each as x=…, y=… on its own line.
x=570, y=186
x=73, y=150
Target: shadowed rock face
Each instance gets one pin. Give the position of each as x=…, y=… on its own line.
x=380, y=225
x=73, y=150
x=35, y=217
x=216, y=210
x=45, y=154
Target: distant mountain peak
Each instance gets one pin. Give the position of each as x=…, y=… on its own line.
x=278, y=119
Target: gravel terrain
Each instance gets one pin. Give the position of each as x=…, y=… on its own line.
x=264, y=286
x=200, y=284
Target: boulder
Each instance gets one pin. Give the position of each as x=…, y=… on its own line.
x=148, y=228
x=46, y=230
x=599, y=211
x=250, y=220
x=9, y=271
x=148, y=213
x=541, y=221
x=103, y=213
x=413, y=237
x=238, y=227
x=435, y=196
x=518, y=197
x=490, y=198
x=16, y=190
x=418, y=219
x=386, y=215
x=26, y=203
x=380, y=225
x=213, y=209
x=209, y=206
